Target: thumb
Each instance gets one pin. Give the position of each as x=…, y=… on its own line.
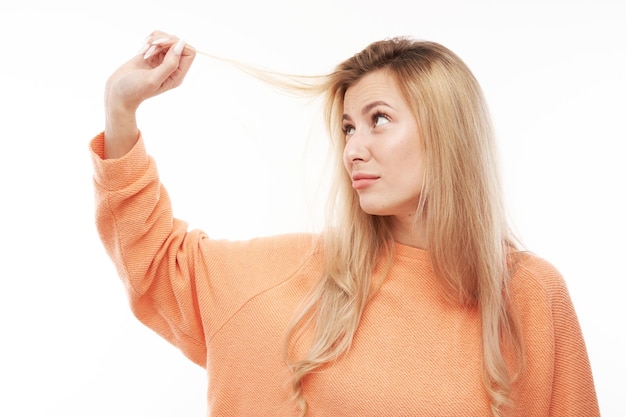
x=165, y=72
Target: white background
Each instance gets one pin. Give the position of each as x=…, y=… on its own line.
x=241, y=161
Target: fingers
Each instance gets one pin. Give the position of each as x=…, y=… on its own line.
x=156, y=46
x=152, y=42
x=186, y=54
x=170, y=58
x=159, y=43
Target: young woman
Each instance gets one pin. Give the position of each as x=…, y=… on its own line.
x=413, y=301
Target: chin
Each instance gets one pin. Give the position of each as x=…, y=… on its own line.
x=374, y=208
x=375, y=211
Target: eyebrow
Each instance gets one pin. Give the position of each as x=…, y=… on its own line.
x=367, y=108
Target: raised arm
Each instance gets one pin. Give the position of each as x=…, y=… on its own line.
x=160, y=66
x=156, y=257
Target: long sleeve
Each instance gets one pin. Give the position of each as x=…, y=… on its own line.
x=573, y=391
x=155, y=256
x=557, y=381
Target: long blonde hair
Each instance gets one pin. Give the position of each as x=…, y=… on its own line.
x=471, y=247
x=468, y=237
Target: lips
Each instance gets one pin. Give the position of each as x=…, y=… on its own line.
x=362, y=180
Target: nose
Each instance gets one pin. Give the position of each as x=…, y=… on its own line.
x=356, y=150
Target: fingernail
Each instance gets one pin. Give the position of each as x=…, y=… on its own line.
x=160, y=41
x=178, y=48
x=143, y=49
x=149, y=52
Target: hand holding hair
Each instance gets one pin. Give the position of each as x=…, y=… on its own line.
x=161, y=64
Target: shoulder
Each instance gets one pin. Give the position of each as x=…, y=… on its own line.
x=532, y=267
x=538, y=281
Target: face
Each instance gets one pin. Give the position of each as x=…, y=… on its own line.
x=384, y=152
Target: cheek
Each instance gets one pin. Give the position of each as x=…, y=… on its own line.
x=411, y=167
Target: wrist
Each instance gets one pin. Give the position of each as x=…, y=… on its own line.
x=120, y=132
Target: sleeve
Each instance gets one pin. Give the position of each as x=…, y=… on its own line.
x=573, y=391
x=155, y=256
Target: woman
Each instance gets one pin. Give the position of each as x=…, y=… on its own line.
x=413, y=301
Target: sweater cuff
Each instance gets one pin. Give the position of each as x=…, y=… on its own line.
x=116, y=174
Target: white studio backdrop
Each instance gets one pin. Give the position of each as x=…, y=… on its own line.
x=241, y=160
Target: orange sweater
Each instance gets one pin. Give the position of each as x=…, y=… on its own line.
x=226, y=305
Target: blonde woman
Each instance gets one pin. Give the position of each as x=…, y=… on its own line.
x=414, y=301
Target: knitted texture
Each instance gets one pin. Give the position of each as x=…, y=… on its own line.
x=226, y=305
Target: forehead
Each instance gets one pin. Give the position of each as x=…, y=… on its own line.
x=377, y=85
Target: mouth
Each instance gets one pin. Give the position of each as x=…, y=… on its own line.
x=361, y=181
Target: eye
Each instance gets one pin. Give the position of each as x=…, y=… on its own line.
x=380, y=119
x=348, y=130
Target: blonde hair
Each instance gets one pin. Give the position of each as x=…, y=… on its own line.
x=470, y=245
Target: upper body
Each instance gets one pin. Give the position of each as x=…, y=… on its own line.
x=406, y=305
x=226, y=305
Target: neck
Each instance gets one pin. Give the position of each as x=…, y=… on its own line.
x=409, y=231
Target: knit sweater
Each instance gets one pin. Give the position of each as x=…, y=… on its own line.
x=226, y=305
